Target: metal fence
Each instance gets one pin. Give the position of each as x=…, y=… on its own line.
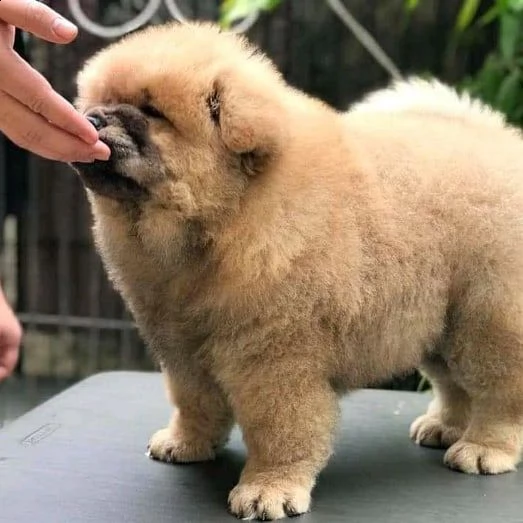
x=74, y=322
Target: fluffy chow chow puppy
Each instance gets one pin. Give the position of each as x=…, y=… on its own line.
x=277, y=253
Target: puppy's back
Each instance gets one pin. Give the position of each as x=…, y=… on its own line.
x=417, y=95
x=447, y=164
x=421, y=130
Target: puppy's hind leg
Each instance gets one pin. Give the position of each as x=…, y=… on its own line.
x=487, y=359
x=448, y=414
x=201, y=421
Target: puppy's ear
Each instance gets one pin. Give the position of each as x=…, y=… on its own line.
x=249, y=121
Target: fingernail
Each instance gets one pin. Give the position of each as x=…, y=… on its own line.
x=89, y=134
x=101, y=151
x=64, y=29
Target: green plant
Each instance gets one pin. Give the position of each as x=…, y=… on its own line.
x=234, y=10
x=499, y=82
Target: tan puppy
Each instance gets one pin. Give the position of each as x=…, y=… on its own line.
x=276, y=253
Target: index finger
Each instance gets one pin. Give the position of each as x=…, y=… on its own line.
x=37, y=18
x=29, y=87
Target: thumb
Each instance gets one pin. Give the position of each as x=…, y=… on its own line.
x=10, y=338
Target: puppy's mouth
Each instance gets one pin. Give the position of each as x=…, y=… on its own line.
x=106, y=178
x=101, y=178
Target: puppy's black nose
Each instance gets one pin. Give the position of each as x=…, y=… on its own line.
x=97, y=120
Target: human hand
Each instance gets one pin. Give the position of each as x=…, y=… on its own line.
x=10, y=337
x=32, y=114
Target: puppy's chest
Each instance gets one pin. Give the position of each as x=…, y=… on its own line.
x=169, y=310
x=164, y=298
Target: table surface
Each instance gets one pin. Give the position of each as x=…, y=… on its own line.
x=80, y=457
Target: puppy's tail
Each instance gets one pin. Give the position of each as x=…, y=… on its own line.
x=418, y=95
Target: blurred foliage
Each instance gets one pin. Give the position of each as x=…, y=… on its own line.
x=234, y=10
x=499, y=82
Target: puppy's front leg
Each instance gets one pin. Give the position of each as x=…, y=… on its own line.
x=201, y=421
x=287, y=415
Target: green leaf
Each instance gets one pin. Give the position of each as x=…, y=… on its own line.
x=234, y=10
x=510, y=25
x=466, y=14
x=518, y=113
x=489, y=79
x=510, y=93
x=515, y=5
x=411, y=4
x=489, y=16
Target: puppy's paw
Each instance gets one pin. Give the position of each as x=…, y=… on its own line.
x=479, y=459
x=429, y=431
x=164, y=445
x=267, y=502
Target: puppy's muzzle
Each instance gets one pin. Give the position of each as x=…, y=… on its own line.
x=125, y=130
x=97, y=120
x=122, y=127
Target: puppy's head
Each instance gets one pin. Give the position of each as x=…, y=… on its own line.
x=191, y=114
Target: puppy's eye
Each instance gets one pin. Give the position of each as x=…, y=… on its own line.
x=151, y=111
x=214, y=107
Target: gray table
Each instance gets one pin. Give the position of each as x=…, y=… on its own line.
x=80, y=458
